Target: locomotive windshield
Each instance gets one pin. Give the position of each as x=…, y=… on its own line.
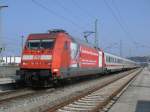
x=40, y=44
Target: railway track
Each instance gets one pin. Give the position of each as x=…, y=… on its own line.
x=6, y=96
x=54, y=99
x=97, y=98
x=21, y=93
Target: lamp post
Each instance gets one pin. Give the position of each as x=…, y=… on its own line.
x=22, y=41
x=1, y=46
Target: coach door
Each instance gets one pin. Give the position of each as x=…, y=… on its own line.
x=74, y=54
x=99, y=58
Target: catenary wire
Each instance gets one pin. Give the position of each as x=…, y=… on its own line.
x=68, y=11
x=57, y=15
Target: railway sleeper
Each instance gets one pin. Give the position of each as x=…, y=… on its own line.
x=73, y=109
x=83, y=103
x=81, y=106
x=93, y=99
x=89, y=101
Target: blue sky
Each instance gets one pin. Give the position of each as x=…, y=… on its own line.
x=125, y=20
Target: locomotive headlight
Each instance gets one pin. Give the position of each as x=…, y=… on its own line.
x=24, y=63
x=55, y=70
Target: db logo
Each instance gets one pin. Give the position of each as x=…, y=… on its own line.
x=36, y=57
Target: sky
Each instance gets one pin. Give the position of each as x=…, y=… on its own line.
x=122, y=24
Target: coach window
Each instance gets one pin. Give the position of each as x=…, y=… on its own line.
x=111, y=59
x=121, y=61
x=107, y=59
x=115, y=60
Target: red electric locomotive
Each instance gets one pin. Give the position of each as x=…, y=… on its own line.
x=56, y=55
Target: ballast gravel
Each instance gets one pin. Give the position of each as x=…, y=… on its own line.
x=41, y=102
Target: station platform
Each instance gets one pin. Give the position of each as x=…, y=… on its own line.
x=7, y=80
x=7, y=84
x=8, y=70
x=137, y=96
x=8, y=74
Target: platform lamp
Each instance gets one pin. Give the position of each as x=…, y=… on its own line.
x=1, y=7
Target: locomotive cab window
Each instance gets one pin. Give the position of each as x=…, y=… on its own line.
x=47, y=44
x=33, y=44
x=40, y=44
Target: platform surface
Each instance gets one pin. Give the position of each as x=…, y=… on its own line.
x=8, y=71
x=7, y=80
x=137, y=97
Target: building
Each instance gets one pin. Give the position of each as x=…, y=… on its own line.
x=10, y=60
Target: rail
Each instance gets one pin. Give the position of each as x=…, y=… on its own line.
x=96, y=98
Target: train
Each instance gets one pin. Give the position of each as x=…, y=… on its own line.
x=56, y=55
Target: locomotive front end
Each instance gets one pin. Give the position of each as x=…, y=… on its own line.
x=36, y=62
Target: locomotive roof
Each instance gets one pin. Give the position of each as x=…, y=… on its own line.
x=51, y=34
x=38, y=35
